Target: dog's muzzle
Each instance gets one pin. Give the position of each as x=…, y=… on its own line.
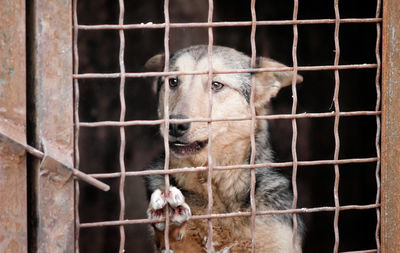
x=178, y=143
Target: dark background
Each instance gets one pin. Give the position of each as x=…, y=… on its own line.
x=99, y=100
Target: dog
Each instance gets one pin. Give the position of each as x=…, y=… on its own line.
x=230, y=145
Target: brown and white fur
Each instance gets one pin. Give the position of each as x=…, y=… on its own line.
x=230, y=145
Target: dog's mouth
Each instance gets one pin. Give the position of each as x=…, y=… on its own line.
x=184, y=149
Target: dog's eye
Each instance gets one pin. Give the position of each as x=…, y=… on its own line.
x=173, y=82
x=216, y=86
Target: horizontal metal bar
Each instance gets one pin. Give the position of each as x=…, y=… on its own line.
x=233, y=71
x=151, y=25
x=230, y=215
x=234, y=167
x=264, y=117
x=79, y=174
x=361, y=251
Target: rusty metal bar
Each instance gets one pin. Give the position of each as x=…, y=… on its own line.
x=166, y=120
x=391, y=127
x=253, y=125
x=50, y=51
x=209, y=245
x=76, y=119
x=362, y=251
x=336, y=128
x=263, y=117
x=233, y=71
x=378, y=126
x=13, y=185
x=294, y=124
x=150, y=25
x=239, y=166
x=122, y=128
x=234, y=214
x=43, y=156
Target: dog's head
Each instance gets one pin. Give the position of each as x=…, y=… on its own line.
x=190, y=97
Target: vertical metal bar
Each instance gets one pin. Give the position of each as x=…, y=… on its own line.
x=166, y=119
x=336, y=127
x=52, y=102
x=391, y=127
x=76, y=121
x=253, y=125
x=122, y=128
x=378, y=125
x=13, y=186
x=210, y=105
x=294, y=124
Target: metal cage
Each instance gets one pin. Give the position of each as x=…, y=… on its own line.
x=40, y=82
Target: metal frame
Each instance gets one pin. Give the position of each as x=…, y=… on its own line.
x=36, y=106
x=51, y=132
x=391, y=127
x=13, y=186
x=50, y=64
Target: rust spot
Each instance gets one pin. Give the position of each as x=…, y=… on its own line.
x=13, y=208
x=51, y=24
x=391, y=127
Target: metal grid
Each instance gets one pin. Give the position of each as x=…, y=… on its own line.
x=337, y=114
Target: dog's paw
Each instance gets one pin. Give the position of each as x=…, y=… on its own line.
x=175, y=197
x=179, y=211
x=180, y=214
x=157, y=200
x=156, y=208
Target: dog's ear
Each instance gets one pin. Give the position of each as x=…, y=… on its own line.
x=268, y=84
x=155, y=63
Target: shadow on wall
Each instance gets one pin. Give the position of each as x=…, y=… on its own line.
x=99, y=100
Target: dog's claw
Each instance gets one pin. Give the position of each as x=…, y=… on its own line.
x=179, y=211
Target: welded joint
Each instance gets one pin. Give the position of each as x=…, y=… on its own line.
x=62, y=173
x=54, y=170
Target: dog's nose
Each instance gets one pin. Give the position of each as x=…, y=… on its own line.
x=179, y=129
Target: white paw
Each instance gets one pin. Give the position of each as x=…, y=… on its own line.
x=157, y=200
x=156, y=208
x=175, y=197
x=179, y=211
